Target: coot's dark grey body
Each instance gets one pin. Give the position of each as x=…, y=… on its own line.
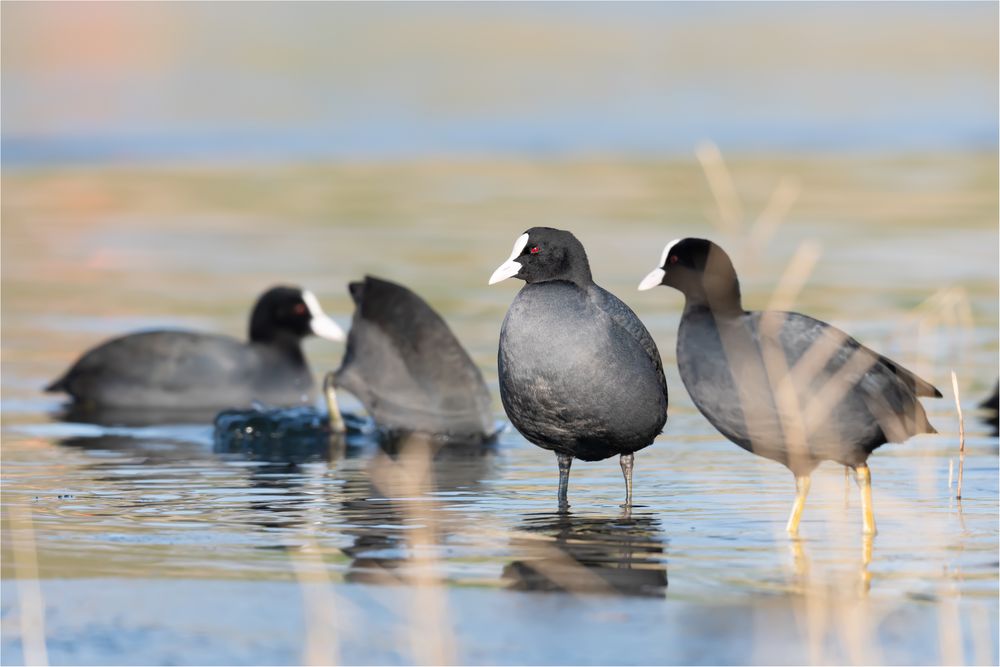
x=579, y=373
x=783, y=385
x=408, y=369
x=185, y=370
x=875, y=404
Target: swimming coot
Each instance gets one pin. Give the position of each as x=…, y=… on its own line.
x=185, y=370
x=783, y=385
x=579, y=373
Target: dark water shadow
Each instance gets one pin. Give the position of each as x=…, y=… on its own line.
x=579, y=554
x=142, y=451
x=455, y=464
x=132, y=417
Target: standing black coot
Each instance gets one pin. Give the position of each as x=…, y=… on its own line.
x=184, y=370
x=783, y=385
x=579, y=373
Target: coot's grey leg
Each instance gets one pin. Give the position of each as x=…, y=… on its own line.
x=565, y=461
x=628, y=462
x=336, y=419
x=801, y=491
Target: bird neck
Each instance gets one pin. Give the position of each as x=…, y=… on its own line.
x=285, y=342
x=576, y=271
x=722, y=299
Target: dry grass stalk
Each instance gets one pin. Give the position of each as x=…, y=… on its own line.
x=775, y=212
x=730, y=206
x=321, y=644
x=949, y=629
x=778, y=374
x=30, y=600
x=794, y=278
x=822, y=610
x=720, y=181
x=945, y=314
x=855, y=619
x=961, y=435
x=981, y=635
x=407, y=480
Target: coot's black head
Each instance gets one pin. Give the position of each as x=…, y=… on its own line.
x=544, y=253
x=290, y=312
x=701, y=270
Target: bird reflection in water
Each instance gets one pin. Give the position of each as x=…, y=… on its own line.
x=144, y=451
x=802, y=579
x=131, y=417
x=392, y=510
x=580, y=554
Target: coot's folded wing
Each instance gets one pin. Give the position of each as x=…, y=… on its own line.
x=626, y=318
x=828, y=365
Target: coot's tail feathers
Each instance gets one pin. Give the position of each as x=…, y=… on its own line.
x=992, y=402
x=926, y=389
x=57, y=385
x=919, y=386
x=357, y=290
x=900, y=425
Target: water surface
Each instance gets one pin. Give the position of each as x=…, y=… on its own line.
x=153, y=545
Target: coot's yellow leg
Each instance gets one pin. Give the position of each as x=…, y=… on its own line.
x=801, y=491
x=866, y=559
x=865, y=482
x=330, y=394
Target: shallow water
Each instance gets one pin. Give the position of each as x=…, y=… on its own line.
x=153, y=545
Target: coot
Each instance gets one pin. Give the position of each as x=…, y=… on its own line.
x=409, y=370
x=783, y=385
x=579, y=373
x=185, y=370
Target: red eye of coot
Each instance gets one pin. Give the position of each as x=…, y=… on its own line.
x=534, y=250
x=299, y=309
x=673, y=259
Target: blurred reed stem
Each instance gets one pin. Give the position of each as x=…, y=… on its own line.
x=30, y=601
x=961, y=434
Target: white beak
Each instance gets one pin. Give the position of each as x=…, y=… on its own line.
x=320, y=323
x=510, y=268
x=654, y=278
